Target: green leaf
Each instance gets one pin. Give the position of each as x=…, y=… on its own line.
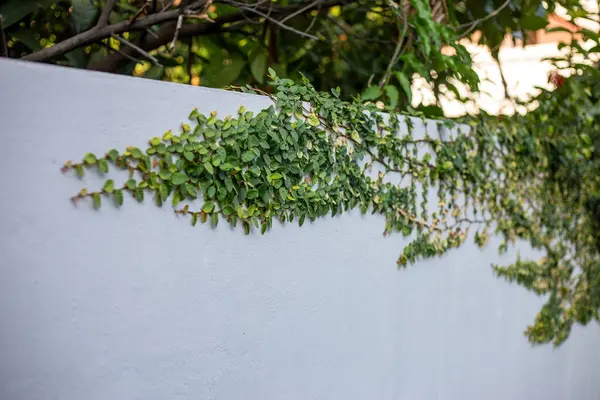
x=223, y=72
x=194, y=219
x=533, y=22
x=118, y=196
x=208, y=207
x=405, y=84
x=283, y=193
x=258, y=63
x=155, y=72
x=28, y=38
x=176, y=198
x=208, y=167
x=392, y=94
x=431, y=111
x=301, y=219
x=275, y=176
x=587, y=153
x=201, y=149
x=109, y=186
x=163, y=192
x=77, y=58
x=139, y=195
x=211, y=191
x=188, y=155
x=136, y=153
x=97, y=200
x=131, y=184
x=192, y=192
x=90, y=159
x=102, y=166
x=14, y=10
x=263, y=228
x=313, y=120
x=214, y=218
x=113, y=155
x=179, y=178
x=447, y=165
x=248, y=155
x=165, y=174
x=373, y=92
x=83, y=15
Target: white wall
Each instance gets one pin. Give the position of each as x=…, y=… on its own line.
x=136, y=304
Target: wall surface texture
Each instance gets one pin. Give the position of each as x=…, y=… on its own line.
x=136, y=304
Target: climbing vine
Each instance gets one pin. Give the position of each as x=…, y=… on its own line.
x=311, y=154
x=307, y=156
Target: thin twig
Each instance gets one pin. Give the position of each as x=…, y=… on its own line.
x=138, y=49
x=103, y=20
x=312, y=23
x=300, y=11
x=138, y=13
x=190, y=60
x=394, y=60
x=110, y=48
x=176, y=34
x=151, y=33
x=182, y=14
x=168, y=5
x=3, y=48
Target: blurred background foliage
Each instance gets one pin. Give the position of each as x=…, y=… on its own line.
x=367, y=48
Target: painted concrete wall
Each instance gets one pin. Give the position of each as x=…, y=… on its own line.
x=136, y=304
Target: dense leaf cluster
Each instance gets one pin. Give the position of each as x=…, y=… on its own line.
x=292, y=162
x=551, y=156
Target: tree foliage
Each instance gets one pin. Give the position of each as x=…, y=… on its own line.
x=370, y=47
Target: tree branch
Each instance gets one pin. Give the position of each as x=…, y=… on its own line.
x=112, y=49
x=163, y=36
x=394, y=60
x=3, y=48
x=103, y=20
x=98, y=33
x=136, y=48
x=112, y=61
